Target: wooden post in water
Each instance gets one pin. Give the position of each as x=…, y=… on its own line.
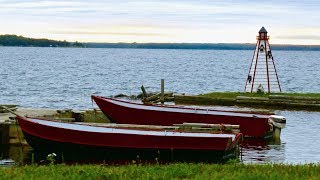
x=162, y=92
x=144, y=92
x=4, y=134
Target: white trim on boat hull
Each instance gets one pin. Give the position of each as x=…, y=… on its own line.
x=183, y=110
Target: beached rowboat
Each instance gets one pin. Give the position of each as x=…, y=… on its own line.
x=63, y=136
x=251, y=125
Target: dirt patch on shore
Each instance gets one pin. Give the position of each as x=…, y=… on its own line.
x=28, y=111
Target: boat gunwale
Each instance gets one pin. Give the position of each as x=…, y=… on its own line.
x=236, y=113
x=233, y=140
x=232, y=135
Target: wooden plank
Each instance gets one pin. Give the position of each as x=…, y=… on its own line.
x=212, y=125
x=168, y=99
x=9, y=110
x=207, y=127
x=65, y=119
x=251, y=98
x=295, y=101
x=9, y=105
x=152, y=98
x=162, y=92
x=114, y=125
x=294, y=97
x=2, y=110
x=212, y=128
x=5, y=108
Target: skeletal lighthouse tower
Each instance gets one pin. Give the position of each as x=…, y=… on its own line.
x=262, y=74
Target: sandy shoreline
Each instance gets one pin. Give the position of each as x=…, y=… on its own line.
x=4, y=117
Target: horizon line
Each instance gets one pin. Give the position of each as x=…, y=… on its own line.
x=162, y=42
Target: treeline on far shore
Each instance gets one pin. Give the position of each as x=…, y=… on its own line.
x=215, y=46
x=14, y=40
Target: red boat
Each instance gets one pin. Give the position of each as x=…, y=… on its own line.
x=251, y=125
x=64, y=136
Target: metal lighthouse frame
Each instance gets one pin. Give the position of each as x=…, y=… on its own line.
x=262, y=76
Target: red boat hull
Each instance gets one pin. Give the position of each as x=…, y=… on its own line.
x=251, y=125
x=75, y=153
x=105, y=137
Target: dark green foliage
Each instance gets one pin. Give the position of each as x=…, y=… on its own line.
x=235, y=94
x=217, y=46
x=14, y=40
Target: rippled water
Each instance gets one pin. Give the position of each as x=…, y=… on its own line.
x=299, y=142
x=66, y=77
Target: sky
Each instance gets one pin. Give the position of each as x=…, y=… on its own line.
x=163, y=21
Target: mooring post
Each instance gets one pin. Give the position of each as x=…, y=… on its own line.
x=4, y=134
x=144, y=92
x=162, y=92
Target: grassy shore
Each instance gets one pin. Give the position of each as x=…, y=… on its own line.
x=292, y=101
x=172, y=171
x=235, y=94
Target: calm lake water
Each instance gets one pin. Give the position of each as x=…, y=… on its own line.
x=60, y=78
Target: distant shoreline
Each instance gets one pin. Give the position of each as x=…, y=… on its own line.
x=204, y=46
x=184, y=46
x=20, y=41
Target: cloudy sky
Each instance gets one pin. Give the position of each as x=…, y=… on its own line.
x=201, y=21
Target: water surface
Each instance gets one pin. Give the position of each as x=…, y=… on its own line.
x=66, y=77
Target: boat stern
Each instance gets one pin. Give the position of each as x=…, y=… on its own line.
x=233, y=149
x=277, y=123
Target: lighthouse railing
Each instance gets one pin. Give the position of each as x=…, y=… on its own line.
x=263, y=38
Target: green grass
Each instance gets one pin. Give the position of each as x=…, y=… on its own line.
x=235, y=94
x=223, y=94
x=171, y=171
x=317, y=95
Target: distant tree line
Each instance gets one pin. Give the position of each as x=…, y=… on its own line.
x=216, y=46
x=14, y=40
x=221, y=46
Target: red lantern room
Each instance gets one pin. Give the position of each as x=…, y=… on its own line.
x=262, y=76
